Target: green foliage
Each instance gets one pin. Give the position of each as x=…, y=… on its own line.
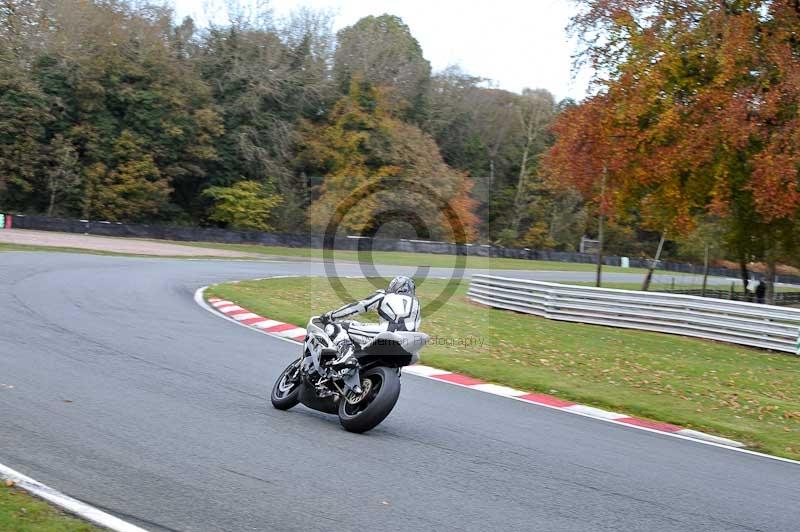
x=363, y=141
x=492, y=134
x=113, y=110
x=245, y=205
x=63, y=179
x=707, y=236
x=23, y=117
x=131, y=188
x=107, y=76
x=382, y=51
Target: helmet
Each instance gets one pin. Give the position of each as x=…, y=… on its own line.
x=402, y=285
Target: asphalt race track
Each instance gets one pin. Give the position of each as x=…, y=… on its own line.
x=129, y=396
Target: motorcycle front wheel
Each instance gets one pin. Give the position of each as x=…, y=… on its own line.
x=286, y=390
x=381, y=389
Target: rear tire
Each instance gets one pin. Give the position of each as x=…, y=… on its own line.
x=286, y=390
x=378, y=403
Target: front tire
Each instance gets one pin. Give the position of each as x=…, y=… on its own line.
x=286, y=390
x=378, y=402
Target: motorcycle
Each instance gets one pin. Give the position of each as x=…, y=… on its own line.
x=361, y=395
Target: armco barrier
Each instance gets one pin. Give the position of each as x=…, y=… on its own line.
x=714, y=319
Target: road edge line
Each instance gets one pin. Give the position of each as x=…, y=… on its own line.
x=72, y=506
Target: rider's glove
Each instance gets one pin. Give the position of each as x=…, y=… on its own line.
x=326, y=318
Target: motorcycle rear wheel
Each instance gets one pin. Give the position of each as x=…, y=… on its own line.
x=384, y=389
x=286, y=390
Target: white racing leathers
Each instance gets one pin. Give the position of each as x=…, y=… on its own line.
x=397, y=312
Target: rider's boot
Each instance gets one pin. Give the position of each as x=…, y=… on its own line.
x=346, y=358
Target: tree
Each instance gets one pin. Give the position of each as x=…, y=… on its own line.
x=116, y=110
x=701, y=97
x=556, y=218
x=382, y=51
x=536, y=110
x=492, y=134
x=21, y=25
x=264, y=80
x=362, y=142
x=132, y=188
x=245, y=205
x=63, y=176
x=452, y=120
x=23, y=119
x=104, y=68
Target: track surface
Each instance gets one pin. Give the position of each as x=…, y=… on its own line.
x=129, y=396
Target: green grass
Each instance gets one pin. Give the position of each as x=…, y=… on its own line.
x=397, y=258
x=745, y=394
x=402, y=258
x=19, y=512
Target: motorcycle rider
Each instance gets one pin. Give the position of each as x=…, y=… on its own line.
x=397, y=307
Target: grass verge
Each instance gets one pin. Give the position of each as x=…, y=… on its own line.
x=745, y=394
x=396, y=258
x=403, y=258
x=20, y=512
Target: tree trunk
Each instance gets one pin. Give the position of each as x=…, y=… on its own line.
x=599, y=275
x=601, y=221
x=769, y=279
x=52, y=201
x=705, y=273
x=745, y=277
x=519, y=198
x=653, y=263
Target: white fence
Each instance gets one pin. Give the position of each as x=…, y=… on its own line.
x=714, y=319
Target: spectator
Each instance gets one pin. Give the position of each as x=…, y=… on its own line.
x=761, y=290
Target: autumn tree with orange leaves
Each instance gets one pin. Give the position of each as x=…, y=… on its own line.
x=695, y=113
x=363, y=144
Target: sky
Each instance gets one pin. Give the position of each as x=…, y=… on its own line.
x=516, y=43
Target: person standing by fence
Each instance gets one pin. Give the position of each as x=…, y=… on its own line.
x=761, y=291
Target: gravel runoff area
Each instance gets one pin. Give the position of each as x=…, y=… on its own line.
x=28, y=237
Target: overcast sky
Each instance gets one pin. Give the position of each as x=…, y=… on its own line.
x=517, y=43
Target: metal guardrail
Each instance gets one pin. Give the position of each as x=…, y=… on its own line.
x=736, y=322
x=781, y=298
